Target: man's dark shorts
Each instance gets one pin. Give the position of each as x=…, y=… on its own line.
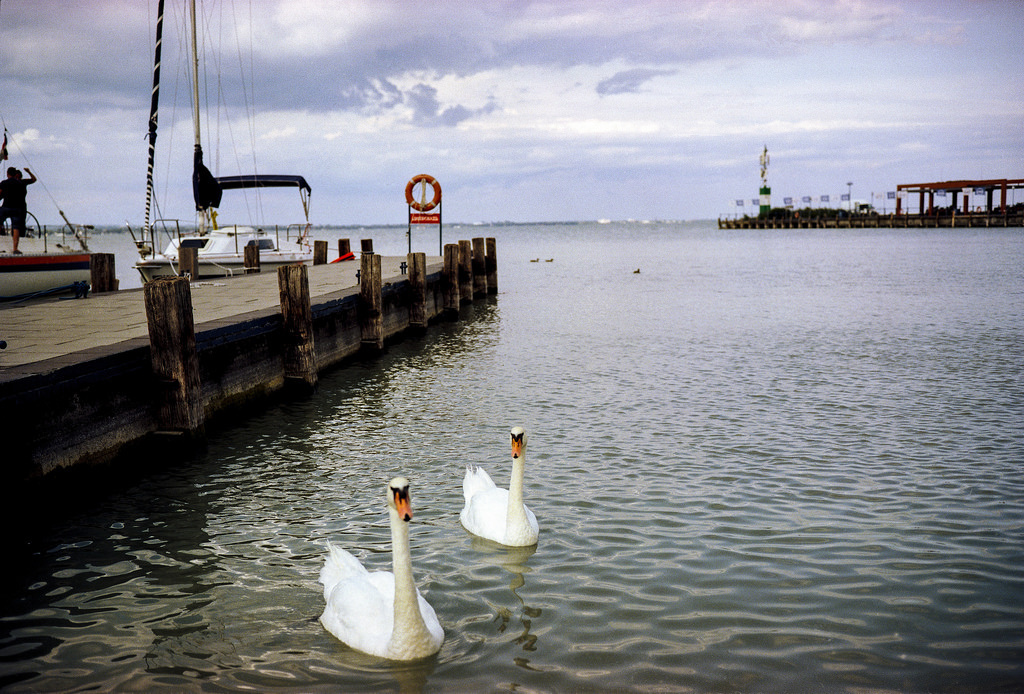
x=17, y=217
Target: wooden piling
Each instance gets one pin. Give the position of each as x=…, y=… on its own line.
x=101, y=273
x=252, y=259
x=450, y=274
x=172, y=350
x=492, y=266
x=479, y=268
x=156, y=403
x=465, y=271
x=366, y=245
x=344, y=247
x=371, y=322
x=418, y=284
x=188, y=262
x=299, y=356
x=319, y=252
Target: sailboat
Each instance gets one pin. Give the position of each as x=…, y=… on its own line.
x=43, y=264
x=46, y=264
x=220, y=248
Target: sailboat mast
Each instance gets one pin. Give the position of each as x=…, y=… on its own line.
x=205, y=188
x=153, y=113
x=195, y=72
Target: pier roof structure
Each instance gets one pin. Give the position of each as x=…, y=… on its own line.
x=955, y=187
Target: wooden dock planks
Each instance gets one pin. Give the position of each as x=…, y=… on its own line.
x=79, y=381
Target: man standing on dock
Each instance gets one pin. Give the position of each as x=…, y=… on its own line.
x=13, y=192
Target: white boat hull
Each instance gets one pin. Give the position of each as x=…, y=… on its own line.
x=221, y=266
x=40, y=267
x=28, y=274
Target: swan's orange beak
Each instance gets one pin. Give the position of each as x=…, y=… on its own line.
x=403, y=505
x=517, y=446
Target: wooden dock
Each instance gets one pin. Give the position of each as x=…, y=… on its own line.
x=89, y=380
x=877, y=221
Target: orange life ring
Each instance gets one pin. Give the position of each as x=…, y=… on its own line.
x=423, y=206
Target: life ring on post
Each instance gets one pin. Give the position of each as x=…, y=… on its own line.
x=423, y=205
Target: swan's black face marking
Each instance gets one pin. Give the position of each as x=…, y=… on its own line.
x=518, y=441
x=400, y=495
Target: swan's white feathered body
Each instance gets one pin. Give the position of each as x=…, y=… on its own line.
x=499, y=514
x=380, y=612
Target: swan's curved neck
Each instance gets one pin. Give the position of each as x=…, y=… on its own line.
x=408, y=625
x=516, y=516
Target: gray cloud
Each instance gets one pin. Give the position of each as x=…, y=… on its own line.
x=341, y=92
x=629, y=81
x=356, y=70
x=428, y=112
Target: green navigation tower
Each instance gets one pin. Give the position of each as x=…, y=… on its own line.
x=766, y=191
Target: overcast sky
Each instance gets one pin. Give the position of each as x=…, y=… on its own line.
x=524, y=111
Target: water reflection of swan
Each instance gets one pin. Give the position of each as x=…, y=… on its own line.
x=380, y=612
x=513, y=560
x=499, y=514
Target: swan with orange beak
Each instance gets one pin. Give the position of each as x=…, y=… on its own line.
x=498, y=514
x=381, y=612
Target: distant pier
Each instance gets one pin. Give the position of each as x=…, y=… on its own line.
x=960, y=212
x=792, y=220
x=138, y=374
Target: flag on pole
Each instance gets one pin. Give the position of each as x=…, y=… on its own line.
x=844, y=196
x=739, y=203
x=787, y=201
x=3, y=148
x=891, y=195
x=807, y=198
x=824, y=198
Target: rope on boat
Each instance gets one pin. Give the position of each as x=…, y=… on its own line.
x=81, y=289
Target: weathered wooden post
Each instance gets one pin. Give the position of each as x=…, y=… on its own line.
x=465, y=271
x=188, y=262
x=492, y=266
x=172, y=353
x=370, y=302
x=101, y=273
x=479, y=268
x=450, y=273
x=366, y=245
x=418, y=283
x=319, y=252
x=299, y=355
x=344, y=248
x=252, y=259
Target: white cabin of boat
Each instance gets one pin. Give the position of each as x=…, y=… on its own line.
x=221, y=249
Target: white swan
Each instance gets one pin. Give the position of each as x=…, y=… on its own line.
x=380, y=612
x=498, y=514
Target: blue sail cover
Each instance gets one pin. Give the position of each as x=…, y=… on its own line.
x=263, y=181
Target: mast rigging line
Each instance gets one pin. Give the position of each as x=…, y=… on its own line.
x=197, y=61
x=211, y=29
x=248, y=87
x=14, y=142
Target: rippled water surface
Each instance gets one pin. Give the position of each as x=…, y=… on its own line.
x=767, y=461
